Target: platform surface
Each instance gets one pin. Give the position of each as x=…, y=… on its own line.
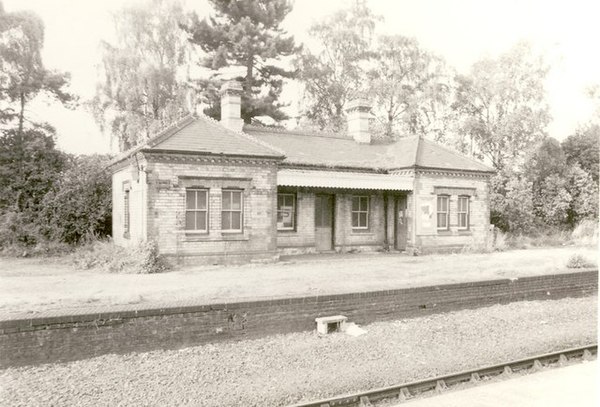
x=574, y=385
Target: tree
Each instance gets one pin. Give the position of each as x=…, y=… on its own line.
x=511, y=202
x=247, y=34
x=332, y=76
x=29, y=168
x=141, y=90
x=22, y=72
x=79, y=205
x=583, y=149
x=409, y=86
x=584, y=191
x=501, y=104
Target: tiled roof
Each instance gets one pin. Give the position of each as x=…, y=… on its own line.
x=204, y=135
x=333, y=150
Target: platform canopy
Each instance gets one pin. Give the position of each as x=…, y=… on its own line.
x=342, y=179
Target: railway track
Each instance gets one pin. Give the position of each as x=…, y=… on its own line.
x=405, y=391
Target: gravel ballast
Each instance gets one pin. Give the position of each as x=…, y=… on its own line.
x=285, y=369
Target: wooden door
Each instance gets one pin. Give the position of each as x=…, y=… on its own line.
x=324, y=222
x=401, y=223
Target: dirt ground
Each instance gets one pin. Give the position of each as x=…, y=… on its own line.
x=34, y=285
x=284, y=369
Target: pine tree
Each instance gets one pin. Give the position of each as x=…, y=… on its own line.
x=247, y=34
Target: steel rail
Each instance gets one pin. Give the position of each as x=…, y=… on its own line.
x=402, y=392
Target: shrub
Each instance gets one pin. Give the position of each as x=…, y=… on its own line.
x=577, y=261
x=104, y=255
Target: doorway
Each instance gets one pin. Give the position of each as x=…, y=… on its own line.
x=401, y=223
x=324, y=222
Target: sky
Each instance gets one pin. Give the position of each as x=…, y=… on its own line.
x=462, y=31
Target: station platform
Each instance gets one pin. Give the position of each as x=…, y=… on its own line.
x=574, y=385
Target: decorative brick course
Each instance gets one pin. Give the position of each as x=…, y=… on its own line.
x=54, y=338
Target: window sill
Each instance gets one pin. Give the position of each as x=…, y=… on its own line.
x=286, y=230
x=465, y=232
x=362, y=232
x=203, y=237
x=444, y=232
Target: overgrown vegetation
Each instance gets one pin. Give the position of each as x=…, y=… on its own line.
x=104, y=255
x=578, y=261
x=49, y=200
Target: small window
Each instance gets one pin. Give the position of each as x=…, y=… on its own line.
x=196, y=210
x=443, y=212
x=360, y=212
x=126, y=213
x=286, y=211
x=231, y=211
x=463, y=212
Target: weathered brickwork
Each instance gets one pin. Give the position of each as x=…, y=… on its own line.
x=168, y=178
x=428, y=184
x=64, y=338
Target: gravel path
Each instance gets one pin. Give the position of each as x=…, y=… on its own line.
x=284, y=369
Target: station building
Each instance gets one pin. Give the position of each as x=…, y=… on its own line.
x=223, y=192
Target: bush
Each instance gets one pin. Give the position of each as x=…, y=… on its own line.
x=577, y=261
x=104, y=255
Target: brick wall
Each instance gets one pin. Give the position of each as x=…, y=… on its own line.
x=63, y=338
x=168, y=178
x=426, y=185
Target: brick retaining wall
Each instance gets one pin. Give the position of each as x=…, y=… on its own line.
x=72, y=337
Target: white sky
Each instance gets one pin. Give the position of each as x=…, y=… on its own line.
x=462, y=31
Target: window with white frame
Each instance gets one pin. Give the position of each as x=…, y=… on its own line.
x=360, y=212
x=196, y=210
x=463, y=212
x=231, y=210
x=443, y=212
x=286, y=211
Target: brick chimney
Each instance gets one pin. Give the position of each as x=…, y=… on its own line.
x=359, y=112
x=231, y=105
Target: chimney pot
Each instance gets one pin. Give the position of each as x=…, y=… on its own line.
x=359, y=113
x=231, y=102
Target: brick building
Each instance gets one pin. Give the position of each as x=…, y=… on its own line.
x=212, y=192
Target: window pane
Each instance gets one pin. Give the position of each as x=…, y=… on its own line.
x=288, y=219
x=288, y=200
x=441, y=220
x=190, y=223
x=280, y=201
x=201, y=220
x=226, y=200
x=236, y=200
x=201, y=199
x=236, y=220
x=226, y=220
x=355, y=219
x=355, y=203
x=363, y=220
x=190, y=199
x=364, y=203
x=442, y=204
